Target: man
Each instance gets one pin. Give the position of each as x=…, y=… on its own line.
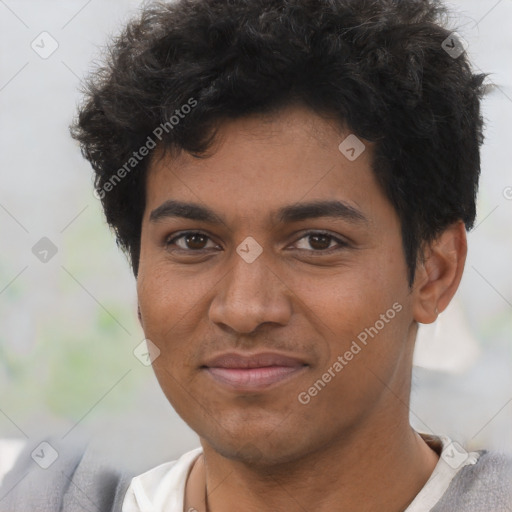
x=292, y=181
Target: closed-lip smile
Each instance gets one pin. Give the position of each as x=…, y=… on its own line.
x=253, y=372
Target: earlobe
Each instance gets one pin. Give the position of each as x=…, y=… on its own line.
x=439, y=273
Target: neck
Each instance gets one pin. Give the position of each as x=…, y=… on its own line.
x=387, y=467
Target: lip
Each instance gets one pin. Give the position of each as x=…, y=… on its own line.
x=253, y=372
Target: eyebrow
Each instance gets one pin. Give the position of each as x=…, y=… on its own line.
x=287, y=214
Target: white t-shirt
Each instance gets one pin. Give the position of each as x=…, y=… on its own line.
x=162, y=489
x=9, y=452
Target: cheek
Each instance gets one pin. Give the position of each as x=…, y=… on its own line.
x=364, y=354
x=168, y=317
x=350, y=300
x=164, y=296
x=362, y=316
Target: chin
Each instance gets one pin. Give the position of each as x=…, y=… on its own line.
x=256, y=456
x=257, y=450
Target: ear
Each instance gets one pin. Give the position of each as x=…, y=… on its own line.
x=439, y=272
x=139, y=316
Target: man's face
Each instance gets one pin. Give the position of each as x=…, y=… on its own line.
x=323, y=287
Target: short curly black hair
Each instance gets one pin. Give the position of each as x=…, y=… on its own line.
x=383, y=68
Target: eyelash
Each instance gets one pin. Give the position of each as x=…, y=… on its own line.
x=341, y=243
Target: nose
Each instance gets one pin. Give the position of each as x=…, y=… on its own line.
x=249, y=295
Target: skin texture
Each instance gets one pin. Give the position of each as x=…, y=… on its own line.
x=267, y=451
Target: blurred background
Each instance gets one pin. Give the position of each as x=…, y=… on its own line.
x=67, y=296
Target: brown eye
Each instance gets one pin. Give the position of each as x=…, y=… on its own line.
x=195, y=241
x=320, y=242
x=190, y=241
x=317, y=241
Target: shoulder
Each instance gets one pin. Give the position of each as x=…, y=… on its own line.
x=481, y=487
x=52, y=475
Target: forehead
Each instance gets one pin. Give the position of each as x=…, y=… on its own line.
x=260, y=164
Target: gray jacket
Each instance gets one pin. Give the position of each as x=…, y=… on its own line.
x=81, y=479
